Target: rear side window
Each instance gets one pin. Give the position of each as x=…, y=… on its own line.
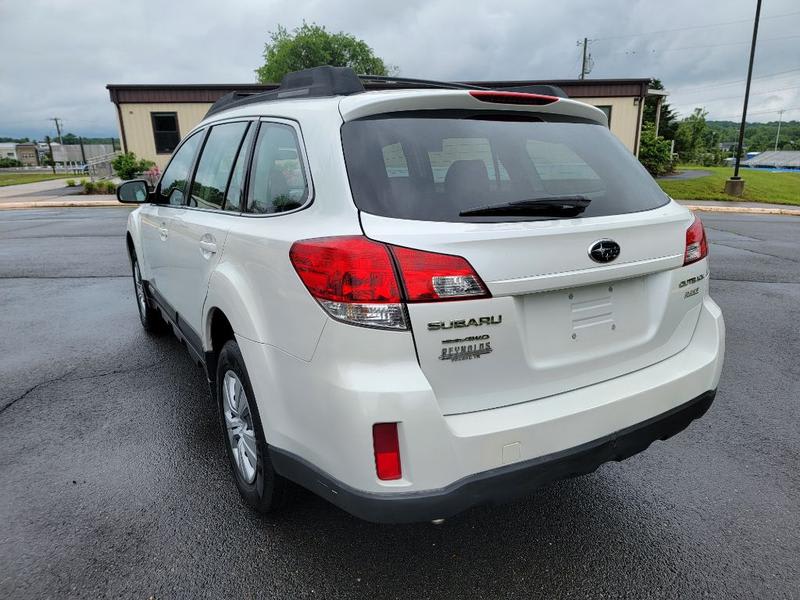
x=433, y=166
x=215, y=164
x=233, y=197
x=173, y=182
x=277, y=179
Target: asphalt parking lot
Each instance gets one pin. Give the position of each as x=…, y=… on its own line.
x=113, y=480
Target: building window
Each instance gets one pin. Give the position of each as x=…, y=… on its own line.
x=606, y=109
x=165, y=131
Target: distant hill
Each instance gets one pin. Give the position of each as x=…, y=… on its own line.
x=759, y=136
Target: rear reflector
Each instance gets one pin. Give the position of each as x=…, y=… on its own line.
x=696, y=243
x=357, y=280
x=387, y=451
x=512, y=97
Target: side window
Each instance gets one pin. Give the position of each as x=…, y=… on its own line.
x=278, y=179
x=165, y=131
x=233, y=197
x=173, y=181
x=214, y=166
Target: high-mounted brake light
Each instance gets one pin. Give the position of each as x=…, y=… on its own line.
x=387, y=451
x=696, y=242
x=357, y=280
x=513, y=97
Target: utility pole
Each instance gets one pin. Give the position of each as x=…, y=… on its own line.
x=58, y=123
x=777, y=135
x=583, y=62
x=735, y=185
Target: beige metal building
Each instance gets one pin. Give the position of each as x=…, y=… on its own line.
x=153, y=118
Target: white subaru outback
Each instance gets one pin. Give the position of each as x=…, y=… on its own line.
x=420, y=299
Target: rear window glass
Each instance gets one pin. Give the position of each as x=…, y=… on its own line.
x=433, y=167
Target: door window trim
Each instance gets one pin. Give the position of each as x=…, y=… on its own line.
x=255, y=121
x=203, y=133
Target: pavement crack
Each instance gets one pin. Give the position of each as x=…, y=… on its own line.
x=756, y=252
x=66, y=379
x=742, y=280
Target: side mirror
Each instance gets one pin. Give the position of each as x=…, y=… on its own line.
x=133, y=192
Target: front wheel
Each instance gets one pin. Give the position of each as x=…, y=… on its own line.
x=259, y=485
x=149, y=316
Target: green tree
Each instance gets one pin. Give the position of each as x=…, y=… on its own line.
x=654, y=151
x=126, y=166
x=311, y=45
x=668, y=121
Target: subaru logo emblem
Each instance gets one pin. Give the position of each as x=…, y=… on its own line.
x=604, y=251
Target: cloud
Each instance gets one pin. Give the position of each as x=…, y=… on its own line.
x=62, y=54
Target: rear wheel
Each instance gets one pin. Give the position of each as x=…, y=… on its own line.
x=149, y=316
x=259, y=485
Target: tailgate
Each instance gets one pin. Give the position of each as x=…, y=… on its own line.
x=557, y=319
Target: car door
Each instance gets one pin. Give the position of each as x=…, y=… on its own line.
x=198, y=232
x=158, y=219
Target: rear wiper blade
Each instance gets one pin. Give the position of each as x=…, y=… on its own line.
x=547, y=205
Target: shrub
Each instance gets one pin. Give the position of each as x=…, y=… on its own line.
x=82, y=182
x=9, y=162
x=108, y=187
x=127, y=165
x=654, y=152
x=90, y=187
x=70, y=183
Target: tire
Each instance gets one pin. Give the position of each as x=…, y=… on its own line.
x=243, y=435
x=149, y=316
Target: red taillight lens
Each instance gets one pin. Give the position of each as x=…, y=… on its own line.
x=387, y=451
x=429, y=277
x=354, y=278
x=346, y=269
x=696, y=243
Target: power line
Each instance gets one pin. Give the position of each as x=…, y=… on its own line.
x=739, y=96
x=733, y=82
x=691, y=27
x=656, y=50
x=758, y=112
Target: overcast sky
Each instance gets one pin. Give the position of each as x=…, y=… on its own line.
x=57, y=56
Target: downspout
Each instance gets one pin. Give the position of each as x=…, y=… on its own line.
x=123, y=139
x=639, y=123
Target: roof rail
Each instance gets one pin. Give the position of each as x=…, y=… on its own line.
x=320, y=82
x=390, y=82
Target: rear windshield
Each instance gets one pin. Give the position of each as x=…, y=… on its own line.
x=433, y=166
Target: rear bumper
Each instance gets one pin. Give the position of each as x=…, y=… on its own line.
x=497, y=485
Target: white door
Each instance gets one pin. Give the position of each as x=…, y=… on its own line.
x=158, y=219
x=198, y=231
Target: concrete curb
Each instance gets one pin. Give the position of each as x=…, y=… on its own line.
x=744, y=210
x=58, y=204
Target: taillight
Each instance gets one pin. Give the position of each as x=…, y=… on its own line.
x=352, y=278
x=429, y=276
x=355, y=279
x=696, y=243
x=387, y=451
